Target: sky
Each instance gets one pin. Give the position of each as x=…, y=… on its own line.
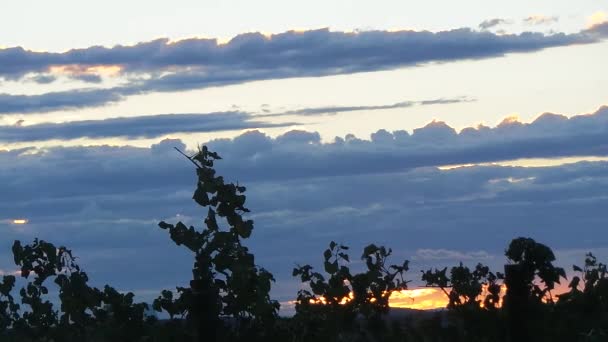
x=441, y=129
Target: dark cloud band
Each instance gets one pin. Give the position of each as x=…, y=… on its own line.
x=162, y=65
x=316, y=51
x=150, y=126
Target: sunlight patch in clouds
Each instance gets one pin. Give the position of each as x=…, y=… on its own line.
x=597, y=18
x=76, y=69
x=530, y=162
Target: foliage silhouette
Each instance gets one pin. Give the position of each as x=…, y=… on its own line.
x=329, y=310
x=536, y=261
x=586, y=304
x=226, y=281
x=466, y=286
x=86, y=313
x=473, y=299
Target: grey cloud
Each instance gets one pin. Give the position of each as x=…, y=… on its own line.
x=446, y=254
x=44, y=79
x=540, y=20
x=487, y=24
x=61, y=100
x=82, y=98
x=104, y=201
x=549, y=136
x=338, y=109
x=598, y=30
x=254, y=156
x=149, y=126
x=157, y=125
x=332, y=110
x=200, y=63
x=315, y=51
x=89, y=78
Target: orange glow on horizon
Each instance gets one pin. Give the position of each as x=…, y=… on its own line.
x=431, y=298
x=419, y=299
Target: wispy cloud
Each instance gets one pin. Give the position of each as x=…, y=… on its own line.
x=446, y=254
x=333, y=110
x=61, y=100
x=488, y=24
x=540, y=20
x=147, y=126
x=151, y=126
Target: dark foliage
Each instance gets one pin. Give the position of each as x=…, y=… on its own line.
x=330, y=309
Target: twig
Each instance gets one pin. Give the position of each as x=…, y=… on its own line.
x=189, y=158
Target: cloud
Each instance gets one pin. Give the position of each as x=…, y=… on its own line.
x=487, y=24
x=162, y=65
x=149, y=126
x=316, y=52
x=596, y=19
x=436, y=144
x=599, y=29
x=540, y=20
x=88, y=78
x=332, y=110
x=549, y=136
x=104, y=203
x=61, y=100
x=76, y=99
x=445, y=254
x=43, y=79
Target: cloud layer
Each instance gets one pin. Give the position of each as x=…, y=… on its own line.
x=151, y=126
x=104, y=202
x=61, y=100
x=549, y=136
x=309, y=52
x=162, y=65
x=147, y=126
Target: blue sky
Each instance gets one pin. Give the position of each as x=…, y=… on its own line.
x=440, y=129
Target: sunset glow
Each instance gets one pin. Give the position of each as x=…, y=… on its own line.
x=430, y=298
x=77, y=70
x=420, y=299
